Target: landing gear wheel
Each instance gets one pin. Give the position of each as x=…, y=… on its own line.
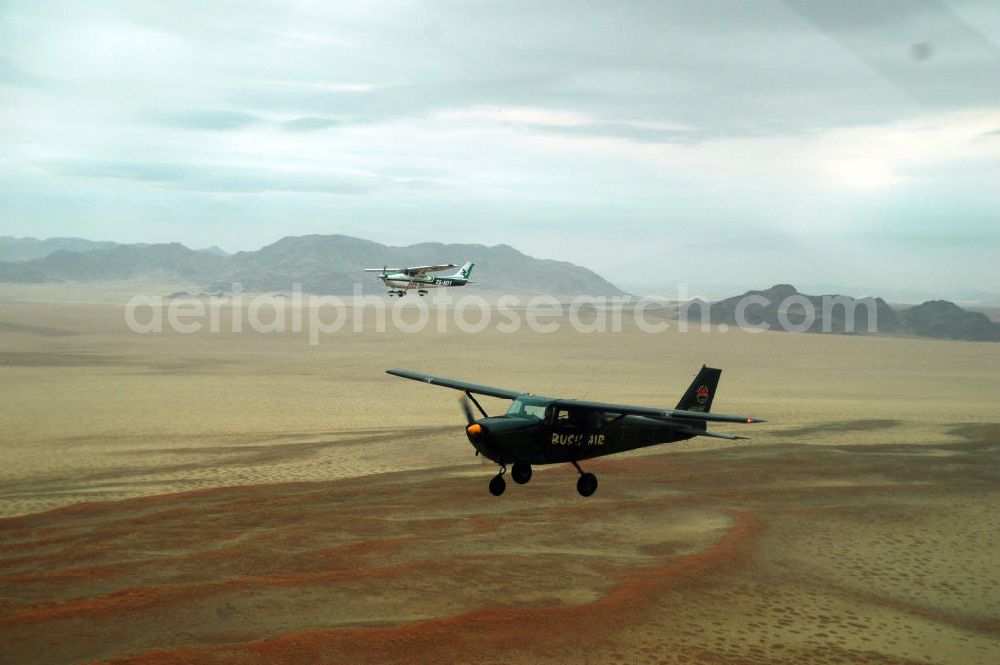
x=587, y=484
x=497, y=485
x=521, y=473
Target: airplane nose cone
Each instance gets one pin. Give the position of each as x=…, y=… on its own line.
x=474, y=431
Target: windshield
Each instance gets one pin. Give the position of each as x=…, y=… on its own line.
x=532, y=407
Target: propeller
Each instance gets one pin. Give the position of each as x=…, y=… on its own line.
x=467, y=409
x=472, y=428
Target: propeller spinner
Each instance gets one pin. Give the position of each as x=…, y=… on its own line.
x=472, y=428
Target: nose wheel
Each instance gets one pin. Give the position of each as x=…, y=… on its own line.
x=497, y=483
x=586, y=485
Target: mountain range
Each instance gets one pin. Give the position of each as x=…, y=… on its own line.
x=333, y=264
x=327, y=264
x=936, y=318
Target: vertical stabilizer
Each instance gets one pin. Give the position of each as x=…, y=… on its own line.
x=700, y=393
x=465, y=272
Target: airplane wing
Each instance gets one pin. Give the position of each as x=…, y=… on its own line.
x=465, y=386
x=623, y=409
x=381, y=269
x=653, y=412
x=420, y=270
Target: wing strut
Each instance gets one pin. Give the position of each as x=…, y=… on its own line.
x=478, y=405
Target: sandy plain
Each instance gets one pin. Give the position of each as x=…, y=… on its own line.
x=249, y=497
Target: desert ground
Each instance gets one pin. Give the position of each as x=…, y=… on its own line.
x=230, y=497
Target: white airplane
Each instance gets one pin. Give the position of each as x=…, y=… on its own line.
x=400, y=280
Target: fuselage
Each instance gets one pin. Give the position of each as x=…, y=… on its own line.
x=536, y=431
x=402, y=281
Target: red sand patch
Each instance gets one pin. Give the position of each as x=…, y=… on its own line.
x=432, y=569
x=489, y=630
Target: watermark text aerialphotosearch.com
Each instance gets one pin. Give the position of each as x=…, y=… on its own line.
x=321, y=315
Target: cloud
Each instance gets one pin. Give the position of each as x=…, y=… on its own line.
x=519, y=115
x=568, y=123
x=13, y=74
x=639, y=133
x=309, y=124
x=222, y=178
x=222, y=120
x=207, y=119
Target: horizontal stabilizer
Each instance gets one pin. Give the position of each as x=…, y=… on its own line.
x=654, y=412
x=712, y=417
x=714, y=435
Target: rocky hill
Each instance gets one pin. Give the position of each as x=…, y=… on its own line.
x=946, y=320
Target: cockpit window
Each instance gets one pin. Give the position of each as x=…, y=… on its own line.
x=578, y=419
x=531, y=407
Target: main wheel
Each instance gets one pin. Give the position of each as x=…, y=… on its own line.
x=587, y=484
x=521, y=473
x=497, y=485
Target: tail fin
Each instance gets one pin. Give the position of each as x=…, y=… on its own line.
x=700, y=393
x=465, y=271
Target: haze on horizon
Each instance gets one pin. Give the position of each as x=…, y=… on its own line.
x=851, y=143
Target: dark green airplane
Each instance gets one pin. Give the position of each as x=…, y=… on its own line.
x=547, y=430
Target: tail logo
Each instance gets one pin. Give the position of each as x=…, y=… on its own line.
x=702, y=394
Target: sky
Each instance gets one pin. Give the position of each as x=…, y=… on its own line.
x=852, y=143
